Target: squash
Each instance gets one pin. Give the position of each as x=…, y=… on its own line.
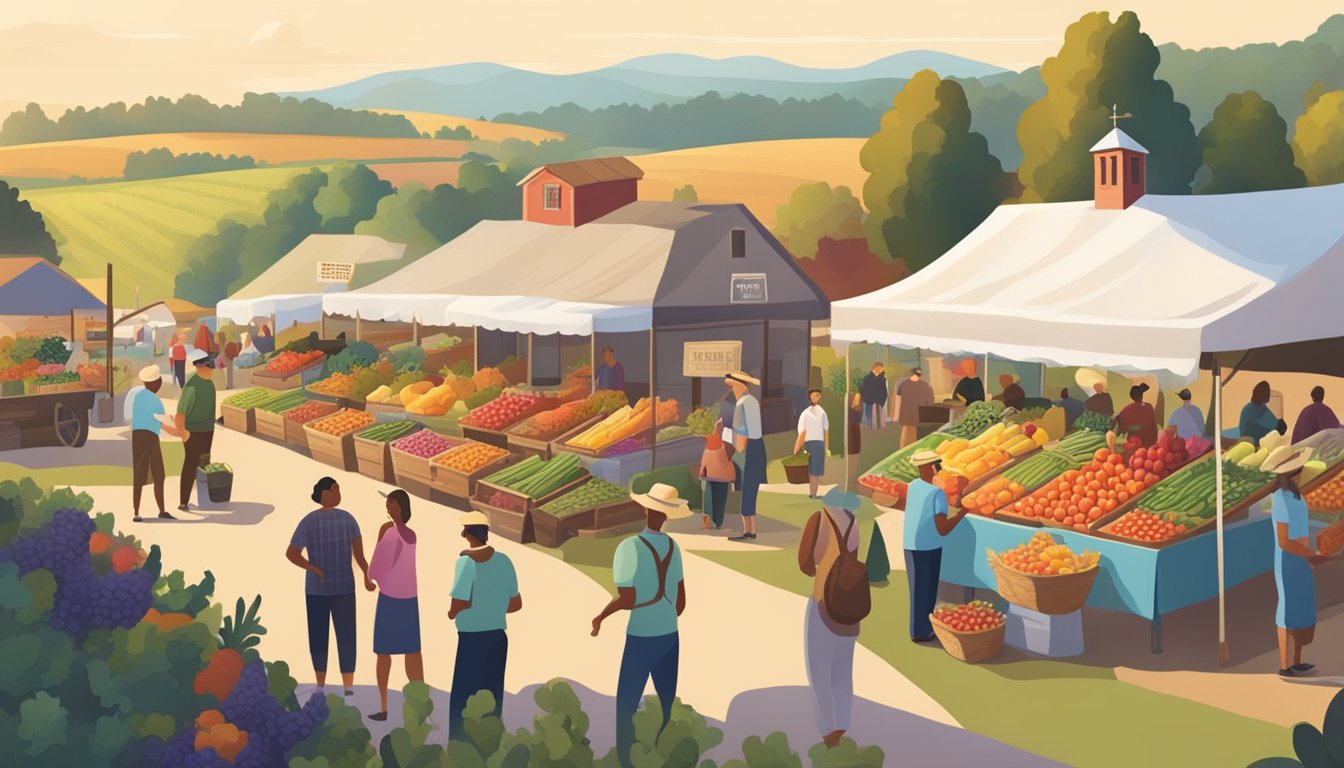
x=410, y=392
x=1310, y=471
x=1238, y=452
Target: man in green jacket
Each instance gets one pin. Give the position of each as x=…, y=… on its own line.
x=195, y=420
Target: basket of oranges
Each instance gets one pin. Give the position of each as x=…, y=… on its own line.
x=971, y=632
x=1045, y=576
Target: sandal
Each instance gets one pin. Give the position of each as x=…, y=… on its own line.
x=378, y=717
x=137, y=519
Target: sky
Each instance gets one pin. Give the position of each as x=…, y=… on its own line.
x=64, y=52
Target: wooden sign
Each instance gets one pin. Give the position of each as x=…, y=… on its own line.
x=335, y=271
x=711, y=359
x=749, y=288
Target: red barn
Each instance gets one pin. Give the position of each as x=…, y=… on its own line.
x=573, y=194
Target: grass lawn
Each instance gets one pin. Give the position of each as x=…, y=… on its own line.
x=1074, y=713
x=94, y=474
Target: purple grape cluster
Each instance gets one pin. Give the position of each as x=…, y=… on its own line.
x=271, y=729
x=61, y=546
x=174, y=754
x=206, y=758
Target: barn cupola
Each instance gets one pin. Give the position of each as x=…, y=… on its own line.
x=1119, y=168
x=573, y=194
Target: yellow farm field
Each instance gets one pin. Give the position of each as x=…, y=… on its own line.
x=760, y=174
x=139, y=226
x=484, y=129
x=106, y=157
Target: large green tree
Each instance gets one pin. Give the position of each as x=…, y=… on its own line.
x=815, y=211
x=1246, y=148
x=350, y=196
x=1101, y=64
x=1318, y=142
x=22, y=230
x=931, y=179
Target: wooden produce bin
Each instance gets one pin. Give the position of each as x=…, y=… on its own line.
x=460, y=484
x=295, y=432
x=552, y=531
x=482, y=435
x=512, y=525
x=269, y=424
x=336, y=450
x=373, y=458
x=53, y=389
x=546, y=447
x=486, y=489
x=414, y=473
x=239, y=419
x=262, y=378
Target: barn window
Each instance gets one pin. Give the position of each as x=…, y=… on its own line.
x=739, y=243
x=1135, y=171
x=550, y=194
x=1115, y=175
x=1101, y=161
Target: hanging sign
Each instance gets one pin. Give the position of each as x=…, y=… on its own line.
x=335, y=271
x=711, y=359
x=748, y=288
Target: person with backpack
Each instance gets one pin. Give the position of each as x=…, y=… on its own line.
x=485, y=591
x=926, y=523
x=648, y=575
x=840, y=600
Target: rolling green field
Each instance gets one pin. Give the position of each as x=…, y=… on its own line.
x=140, y=226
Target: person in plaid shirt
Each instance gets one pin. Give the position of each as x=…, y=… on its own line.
x=331, y=538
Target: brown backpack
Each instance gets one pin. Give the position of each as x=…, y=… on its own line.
x=846, y=595
x=662, y=564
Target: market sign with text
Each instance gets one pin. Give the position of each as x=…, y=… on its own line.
x=749, y=288
x=335, y=271
x=711, y=359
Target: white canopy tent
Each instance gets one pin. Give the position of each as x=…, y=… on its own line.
x=1146, y=289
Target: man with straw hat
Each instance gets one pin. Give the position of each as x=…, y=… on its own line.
x=144, y=409
x=1295, y=617
x=1094, y=381
x=485, y=591
x=750, y=444
x=648, y=576
x=926, y=523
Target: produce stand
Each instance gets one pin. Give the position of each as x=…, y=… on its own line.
x=373, y=458
x=545, y=447
x=517, y=523
x=482, y=435
x=552, y=530
x=414, y=473
x=338, y=450
x=462, y=485
x=55, y=419
x=239, y=419
x=306, y=375
x=295, y=433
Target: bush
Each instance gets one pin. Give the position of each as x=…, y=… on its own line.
x=1315, y=748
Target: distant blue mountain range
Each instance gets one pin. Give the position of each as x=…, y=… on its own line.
x=490, y=89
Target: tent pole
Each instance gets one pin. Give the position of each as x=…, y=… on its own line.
x=322, y=326
x=845, y=410
x=1223, y=650
x=592, y=358
x=475, y=347
x=415, y=330
x=529, y=359
x=359, y=326
x=110, y=325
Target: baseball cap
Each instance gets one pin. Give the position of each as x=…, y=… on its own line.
x=200, y=357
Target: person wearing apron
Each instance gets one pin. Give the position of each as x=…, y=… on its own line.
x=750, y=445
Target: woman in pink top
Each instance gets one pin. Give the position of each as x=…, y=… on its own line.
x=396, y=624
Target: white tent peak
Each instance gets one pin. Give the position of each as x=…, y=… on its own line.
x=1118, y=139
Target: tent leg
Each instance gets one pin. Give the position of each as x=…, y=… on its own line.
x=1224, y=653
x=475, y=348
x=592, y=358
x=1156, y=625
x=529, y=359
x=845, y=410
x=415, y=331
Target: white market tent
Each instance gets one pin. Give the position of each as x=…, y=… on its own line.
x=290, y=290
x=1145, y=289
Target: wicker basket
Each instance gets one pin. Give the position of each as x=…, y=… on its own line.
x=1053, y=595
x=796, y=474
x=970, y=646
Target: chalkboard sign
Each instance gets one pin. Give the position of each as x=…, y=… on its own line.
x=748, y=289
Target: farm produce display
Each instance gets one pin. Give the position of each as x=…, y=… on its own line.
x=1327, y=446
x=977, y=418
x=251, y=398
x=535, y=477
x=357, y=383
x=335, y=385
x=52, y=351
x=433, y=401
x=991, y=448
x=343, y=422
x=480, y=397
x=1042, y=556
x=489, y=378
x=592, y=494
x=627, y=423
x=50, y=369
x=897, y=466
x=302, y=414
x=357, y=354
x=501, y=412
x=1092, y=422
x=1083, y=496
x=701, y=421
x=1329, y=497
x=18, y=371
x=1081, y=446
x=283, y=402
x=388, y=431
x=557, y=421
x=887, y=485
x=1026, y=415
x=92, y=375
x=974, y=616
x=288, y=363
x=1331, y=539
x=391, y=391
x=424, y=444
x=1188, y=499
x=470, y=457
x=63, y=377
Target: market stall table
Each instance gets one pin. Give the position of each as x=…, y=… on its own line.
x=1134, y=579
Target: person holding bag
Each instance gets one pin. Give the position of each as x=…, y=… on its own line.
x=717, y=472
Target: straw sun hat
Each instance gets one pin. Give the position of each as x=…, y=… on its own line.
x=1289, y=461
x=1088, y=378
x=925, y=458
x=664, y=498
x=744, y=377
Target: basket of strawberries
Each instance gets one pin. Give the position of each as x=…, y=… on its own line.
x=971, y=632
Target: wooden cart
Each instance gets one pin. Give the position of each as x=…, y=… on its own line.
x=52, y=419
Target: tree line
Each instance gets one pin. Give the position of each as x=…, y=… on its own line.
x=258, y=113
x=161, y=162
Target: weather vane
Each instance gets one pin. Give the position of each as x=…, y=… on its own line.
x=1116, y=118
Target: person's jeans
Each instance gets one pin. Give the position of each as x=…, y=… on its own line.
x=340, y=611
x=875, y=415
x=481, y=659
x=644, y=657
x=830, y=671
x=193, y=450
x=716, y=501
x=922, y=570
x=753, y=474
x=180, y=373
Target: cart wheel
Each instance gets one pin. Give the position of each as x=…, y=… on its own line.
x=72, y=429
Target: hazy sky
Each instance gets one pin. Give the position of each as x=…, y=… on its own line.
x=92, y=51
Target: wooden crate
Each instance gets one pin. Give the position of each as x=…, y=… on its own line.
x=486, y=489
x=514, y=526
x=336, y=450
x=482, y=435
x=239, y=419
x=417, y=468
x=546, y=447
x=461, y=484
x=607, y=533
x=617, y=513
x=269, y=424
x=373, y=458
x=51, y=389
x=378, y=408
x=552, y=531
x=262, y=378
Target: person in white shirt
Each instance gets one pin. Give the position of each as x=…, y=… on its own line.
x=814, y=433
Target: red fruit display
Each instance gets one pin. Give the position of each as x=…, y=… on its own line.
x=975, y=616
x=286, y=363
x=1080, y=497
x=502, y=411
x=1141, y=525
x=424, y=444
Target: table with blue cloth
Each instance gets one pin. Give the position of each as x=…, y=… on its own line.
x=1134, y=579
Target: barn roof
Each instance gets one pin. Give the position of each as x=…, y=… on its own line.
x=582, y=172
x=33, y=286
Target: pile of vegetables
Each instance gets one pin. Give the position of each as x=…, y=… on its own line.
x=62, y=377
x=388, y=431
x=977, y=418
x=591, y=495
x=343, y=422
x=357, y=354
x=250, y=398
x=1190, y=498
x=626, y=423
x=535, y=477
x=897, y=466
x=702, y=420
x=283, y=401
x=557, y=421
x=470, y=457
x=1081, y=446
x=52, y=351
x=1092, y=422
x=302, y=414
x=28, y=357
x=288, y=363
x=424, y=444
x=1043, y=556
x=502, y=412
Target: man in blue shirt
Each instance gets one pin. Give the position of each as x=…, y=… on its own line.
x=1073, y=408
x=485, y=591
x=143, y=409
x=610, y=374
x=926, y=523
x=1188, y=419
x=648, y=575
